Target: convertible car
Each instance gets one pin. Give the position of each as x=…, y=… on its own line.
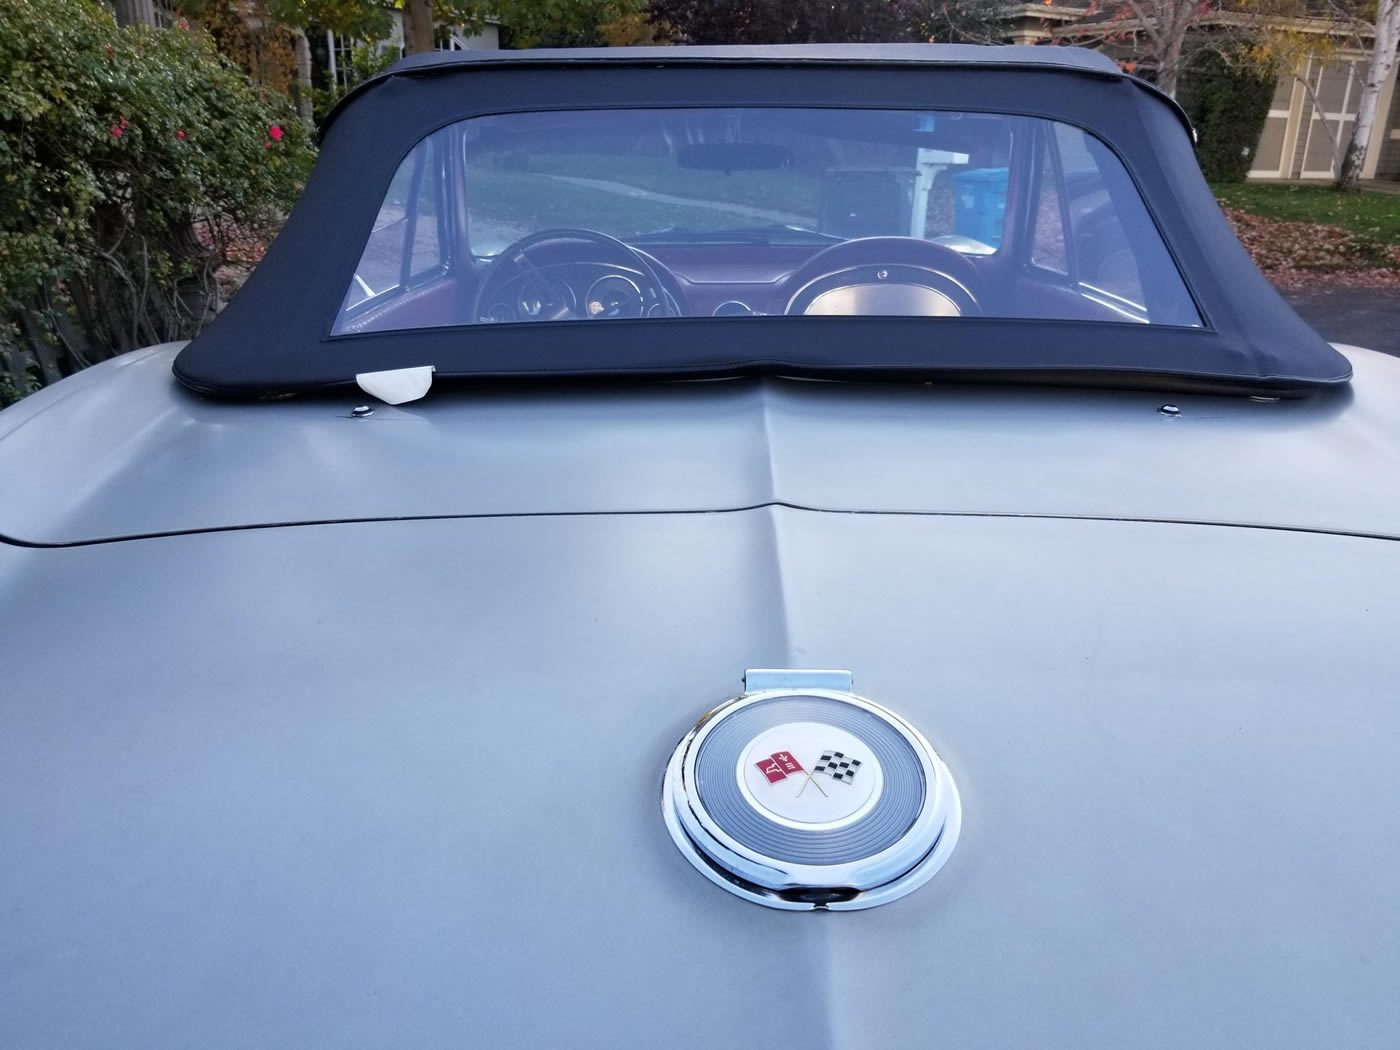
x=705, y=547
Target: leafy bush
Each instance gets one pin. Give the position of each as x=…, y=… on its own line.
x=134, y=162
x=1228, y=102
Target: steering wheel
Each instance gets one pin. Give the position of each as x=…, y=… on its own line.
x=904, y=276
x=544, y=298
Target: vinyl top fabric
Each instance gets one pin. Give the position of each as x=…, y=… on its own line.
x=274, y=337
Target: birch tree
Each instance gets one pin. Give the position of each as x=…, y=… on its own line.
x=1300, y=36
x=1385, y=37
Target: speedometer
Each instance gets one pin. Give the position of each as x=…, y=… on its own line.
x=613, y=296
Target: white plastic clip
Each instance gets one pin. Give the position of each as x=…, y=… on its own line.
x=397, y=385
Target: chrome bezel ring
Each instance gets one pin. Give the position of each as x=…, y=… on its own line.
x=745, y=869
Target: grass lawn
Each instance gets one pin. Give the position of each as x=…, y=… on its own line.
x=1374, y=215
x=534, y=201
x=644, y=193
x=792, y=189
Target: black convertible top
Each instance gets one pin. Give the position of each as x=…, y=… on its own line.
x=274, y=337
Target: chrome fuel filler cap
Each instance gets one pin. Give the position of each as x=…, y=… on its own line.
x=800, y=794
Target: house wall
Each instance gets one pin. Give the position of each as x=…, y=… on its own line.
x=489, y=39
x=1277, y=141
x=1299, y=140
x=1386, y=152
x=1311, y=119
x=1328, y=116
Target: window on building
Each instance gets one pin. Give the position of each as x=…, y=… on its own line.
x=343, y=60
x=445, y=39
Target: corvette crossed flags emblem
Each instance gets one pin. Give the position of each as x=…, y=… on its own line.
x=782, y=764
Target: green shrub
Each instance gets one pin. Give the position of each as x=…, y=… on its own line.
x=1228, y=102
x=134, y=163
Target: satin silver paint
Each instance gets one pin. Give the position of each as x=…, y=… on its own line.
x=319, y=784
x=139, y=455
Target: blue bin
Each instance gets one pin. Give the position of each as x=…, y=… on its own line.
x=979, y=205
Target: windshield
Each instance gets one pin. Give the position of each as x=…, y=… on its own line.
x=617, y=214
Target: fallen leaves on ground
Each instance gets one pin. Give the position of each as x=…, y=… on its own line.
x=241, y=252
x=1296, y=253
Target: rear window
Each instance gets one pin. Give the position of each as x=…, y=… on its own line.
x=581, y=216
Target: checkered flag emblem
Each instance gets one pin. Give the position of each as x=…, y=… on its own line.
x=837, y=766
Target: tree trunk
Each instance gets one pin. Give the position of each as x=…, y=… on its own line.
x=417, y=26
x=1377, y=71
x=1178, y=18
x=301, y=90
x=1165, y=24
x=1170, y=69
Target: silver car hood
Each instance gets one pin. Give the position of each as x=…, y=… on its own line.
x=385, y=784
x=122, y=450
x=398, y=784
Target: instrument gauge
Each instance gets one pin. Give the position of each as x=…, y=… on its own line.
x=613, y=296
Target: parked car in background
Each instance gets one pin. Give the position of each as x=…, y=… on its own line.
x=693, y=547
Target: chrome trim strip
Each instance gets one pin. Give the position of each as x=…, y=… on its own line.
x=1142, y=307
x=748, y=311
x=1106, y=300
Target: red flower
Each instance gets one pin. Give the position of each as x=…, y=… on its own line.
x=180, y=134
x=116, y=131
x=183, y=24
x=274, y=133
x=123, y=120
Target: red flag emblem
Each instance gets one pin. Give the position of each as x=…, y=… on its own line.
x=778, y=766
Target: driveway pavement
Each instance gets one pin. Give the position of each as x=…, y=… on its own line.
x=1368, y=317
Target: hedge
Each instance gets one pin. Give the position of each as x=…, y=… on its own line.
x=134, y=163
x=1228, y=102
